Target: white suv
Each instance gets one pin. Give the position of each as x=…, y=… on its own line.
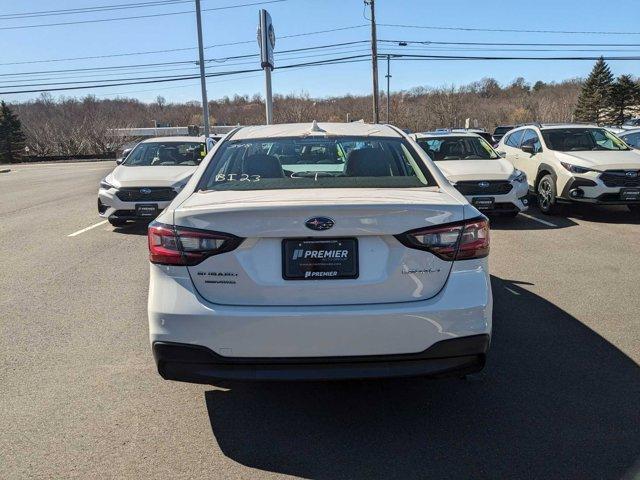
x=148, y=178
x=490, y=183
x=318, y=251
x=574, y=163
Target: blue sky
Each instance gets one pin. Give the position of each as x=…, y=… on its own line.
x=301, y=16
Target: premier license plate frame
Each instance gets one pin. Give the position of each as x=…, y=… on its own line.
x=147, y=210
x=483, y=203
x=335, y=258
x=630, y=194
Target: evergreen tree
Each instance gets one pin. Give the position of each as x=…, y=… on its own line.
x=594, y=100
x=625, y=95
x=11, y=137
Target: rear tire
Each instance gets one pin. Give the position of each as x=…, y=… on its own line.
x=117, y=222
x=546, y=195
x=634, y=209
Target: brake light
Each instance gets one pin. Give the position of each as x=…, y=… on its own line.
x=455, y=241
x=173, y=245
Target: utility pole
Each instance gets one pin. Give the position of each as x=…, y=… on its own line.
x=203, y=82
x=374, y=59
x=388, y=83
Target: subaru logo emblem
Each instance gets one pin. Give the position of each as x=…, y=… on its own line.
x=145, y=191
x=631, y=174
x=483, y=184
x=319, y=223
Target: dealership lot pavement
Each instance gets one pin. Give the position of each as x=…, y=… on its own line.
x=80, y=396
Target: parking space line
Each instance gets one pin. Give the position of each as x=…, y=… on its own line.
x=87, y=229
x=539, y=220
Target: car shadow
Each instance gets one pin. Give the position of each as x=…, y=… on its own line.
x=556, y=401
x=132, y=229
x=602, y=214
x=527, y=221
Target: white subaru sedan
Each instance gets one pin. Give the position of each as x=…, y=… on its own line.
x=148, y=178
x=316, y=252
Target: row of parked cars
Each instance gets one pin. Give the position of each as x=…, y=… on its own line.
x=559, y=163
x=335, y=251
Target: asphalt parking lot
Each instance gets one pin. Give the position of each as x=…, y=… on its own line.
x=81, y=397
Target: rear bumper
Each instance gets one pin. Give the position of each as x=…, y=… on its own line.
x=373, y=340
x=196, y=364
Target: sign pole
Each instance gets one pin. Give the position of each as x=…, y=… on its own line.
x=268, y=95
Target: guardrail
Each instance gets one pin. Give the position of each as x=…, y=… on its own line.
x=163, y=131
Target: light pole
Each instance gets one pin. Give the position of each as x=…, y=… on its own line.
x=203, y=82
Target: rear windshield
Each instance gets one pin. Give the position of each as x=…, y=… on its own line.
x=335, y=162
x=166, y=154
x=502, y=130
x=457, y=148
x=581, y=139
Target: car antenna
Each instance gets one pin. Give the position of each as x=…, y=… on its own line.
x=316, y=128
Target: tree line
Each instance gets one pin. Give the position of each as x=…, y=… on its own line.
x=69, y=126
x=605, y=100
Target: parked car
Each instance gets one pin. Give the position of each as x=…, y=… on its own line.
x=318, y=251
x=212, y=139
x=631, y=138
x=478, y=131
x=500, y=131
x=632, y=123
x=575, y=163
x=490, y=183
x=148, y=177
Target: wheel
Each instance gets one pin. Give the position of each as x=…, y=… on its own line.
x=546, y=191
x=634, y=209
x=117, y=222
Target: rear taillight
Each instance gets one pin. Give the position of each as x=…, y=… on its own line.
x=172, y=245
x=455, y=241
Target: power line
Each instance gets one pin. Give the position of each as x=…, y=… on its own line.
x=470, y=29
x=333, y=61
x=88, y=69
x=184, y=62
x=97, y=8
x=136, y=17
x=100, y=80
x=150, y=52
x=456, y=57
x=95, y=57
x=472, y=49
x=536, y=44
x=338, y=29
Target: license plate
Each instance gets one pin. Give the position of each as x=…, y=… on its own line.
x=483, y=203
x=147, y=210
x=319, y=259
x=630, y=194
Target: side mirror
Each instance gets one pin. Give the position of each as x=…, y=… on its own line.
x=528, y=149
x=119, y=161
x=502, y=154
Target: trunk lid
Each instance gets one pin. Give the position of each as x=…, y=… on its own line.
x=252, y=274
